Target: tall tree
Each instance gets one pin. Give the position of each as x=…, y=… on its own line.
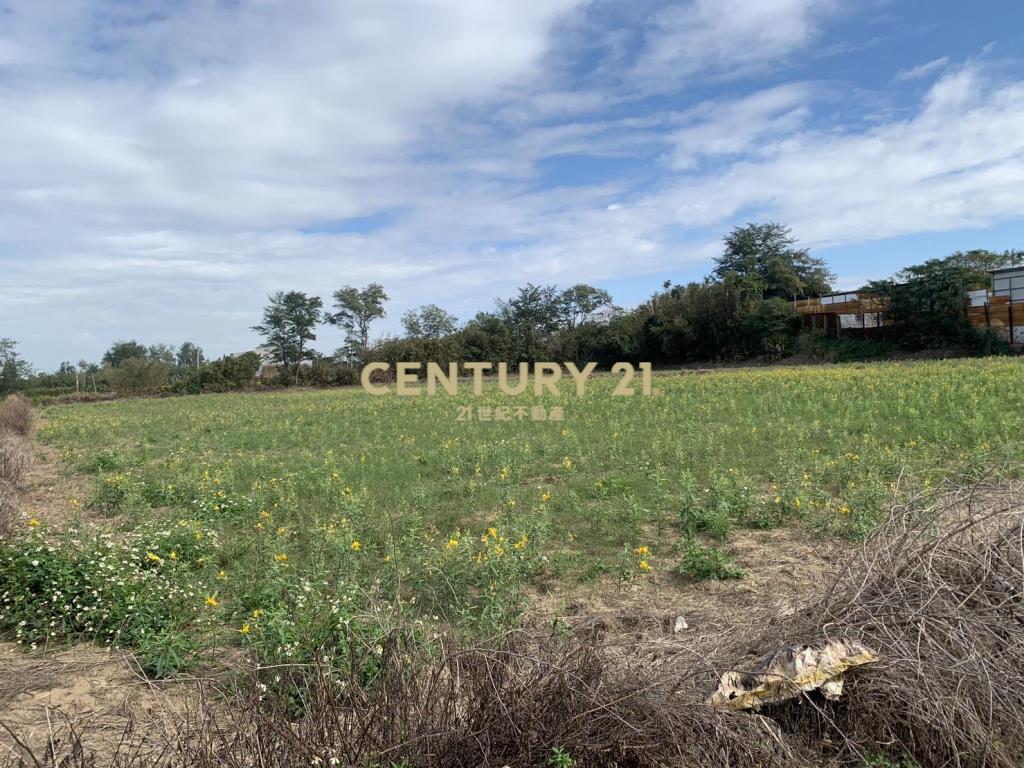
x=189, y=355
x=13, y=369
x=288, y=323
x=581, y=302
x=429, y=322
x=355, y=309
x=767, y=252
x=124, y=350
x=161, y=353
x=532, y=316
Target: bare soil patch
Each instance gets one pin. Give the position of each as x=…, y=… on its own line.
x=98, y=694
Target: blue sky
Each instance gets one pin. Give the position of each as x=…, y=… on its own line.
x=166, y=165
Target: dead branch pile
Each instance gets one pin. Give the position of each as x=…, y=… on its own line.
x=938, y=593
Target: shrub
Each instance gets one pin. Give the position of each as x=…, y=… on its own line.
x=8, y=510
x=15, y=415
x=138, y=591
x=703, y=562
x=14, y=458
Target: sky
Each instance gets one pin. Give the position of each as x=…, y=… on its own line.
x=164, y=166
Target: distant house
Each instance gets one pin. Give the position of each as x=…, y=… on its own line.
x=835, y=313
x=1001, y=307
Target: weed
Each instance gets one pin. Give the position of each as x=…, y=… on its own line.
x=703, y=562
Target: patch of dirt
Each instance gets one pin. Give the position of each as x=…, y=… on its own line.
x=785, y=568
x=97, y=693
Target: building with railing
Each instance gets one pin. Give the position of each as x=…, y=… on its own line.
x=1000, y=307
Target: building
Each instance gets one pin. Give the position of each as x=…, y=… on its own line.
x=1001, y=307
x=835, y=313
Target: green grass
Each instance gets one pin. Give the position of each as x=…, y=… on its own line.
x=318, y=519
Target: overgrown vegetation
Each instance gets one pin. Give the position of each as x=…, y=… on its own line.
x=300, y=525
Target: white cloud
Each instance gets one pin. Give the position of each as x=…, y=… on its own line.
x=728, y=37
x=958, y=162
x=923, y=70
x=742, y=125
x=163, y=170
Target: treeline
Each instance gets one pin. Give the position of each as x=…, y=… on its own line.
x=741, y=311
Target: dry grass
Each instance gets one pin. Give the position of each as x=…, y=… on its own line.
x=15, y=415
x=938, y=592
x=8, y=510
x=15, y=458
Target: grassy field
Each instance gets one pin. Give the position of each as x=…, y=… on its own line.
x=296, y=524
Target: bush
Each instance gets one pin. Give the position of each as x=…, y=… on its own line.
x=138, y=591
x=14, y=459
x=8, y=510
x=15, y=415
x=829, y=349
x=701, y=562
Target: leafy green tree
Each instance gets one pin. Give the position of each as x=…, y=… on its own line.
x=580, y=302
x=13, y=369
x=767, y=253
x=532, y=316
x=138, y=375
x=231, y=372
x=486, y=338
x=927, y=302
x=429, y=322
x=288, y=323
x=161, y=353
x=355, y=309
x=189, y=355
x=124, y=350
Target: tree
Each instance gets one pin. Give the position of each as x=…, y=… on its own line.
x=124, y=350
x=189, y=355
x=355, y=309
x=429, y=322
x=230, y=372
x=161, y=353
x=927, y=302
x=581, y=302
x=288, y=323
x=532, y=316
x=137, y=375
x=766, y=252
x=13, y=370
